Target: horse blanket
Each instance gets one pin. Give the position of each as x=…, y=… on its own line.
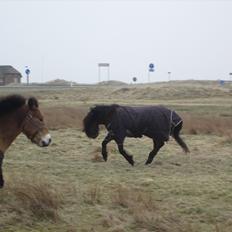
x=155, y=122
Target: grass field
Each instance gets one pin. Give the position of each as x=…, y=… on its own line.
x=67, y=187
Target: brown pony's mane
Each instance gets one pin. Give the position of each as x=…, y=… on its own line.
x=11, y=103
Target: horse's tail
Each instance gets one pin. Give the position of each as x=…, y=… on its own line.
x=179, y=140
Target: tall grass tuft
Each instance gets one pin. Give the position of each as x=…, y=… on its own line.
x=38, y=199
x=145, y=212
x=207, y=125
x=92, y=195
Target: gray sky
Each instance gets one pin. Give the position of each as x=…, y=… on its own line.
x=67, y=39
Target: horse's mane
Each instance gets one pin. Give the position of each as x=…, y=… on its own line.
x=11, y=103
x=105, y=108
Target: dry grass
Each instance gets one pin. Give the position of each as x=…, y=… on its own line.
x=92, y=195
x=207, y=125
x=38, y=198
x=227, y=138
x=146, y=213
x=97, y=156
x=61, y=117
x=112, y=196
x=72, y=117
x=132, y=198
x=67, y=188
x=29, y=200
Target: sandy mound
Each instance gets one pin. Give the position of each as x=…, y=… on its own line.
x=60, y=82
x=114, y=83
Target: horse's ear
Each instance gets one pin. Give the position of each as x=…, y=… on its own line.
x=92, y=108
x=33, y=103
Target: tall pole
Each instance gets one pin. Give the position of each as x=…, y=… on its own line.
x=103, y=65
x=169, y=76
x=99, y=74
x=108, y=73
x=230, y=75
x=43, y=69
x=27, y=71
x=151, y=68
x=148, y=77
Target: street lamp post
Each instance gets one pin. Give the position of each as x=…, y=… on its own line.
x=230, y=75
x=169, y=76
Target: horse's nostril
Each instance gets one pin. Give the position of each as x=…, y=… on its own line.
x=44, y=143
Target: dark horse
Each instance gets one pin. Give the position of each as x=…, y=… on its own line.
x=20, y=115
x=156, y=122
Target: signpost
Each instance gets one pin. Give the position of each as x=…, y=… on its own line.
x=103, y=65
x=230, y=75
x=151, y=68
x=27, y=71
x=134, y=79
x=169, y=76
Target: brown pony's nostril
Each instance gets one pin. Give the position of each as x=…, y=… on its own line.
x=44, y=143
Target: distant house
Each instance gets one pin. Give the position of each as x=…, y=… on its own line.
x=9, y=75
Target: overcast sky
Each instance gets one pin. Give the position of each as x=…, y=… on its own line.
x=67, y=39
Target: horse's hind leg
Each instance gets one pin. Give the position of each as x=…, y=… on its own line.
x=1, y=175
x=176, y=136
x=156, y=146
x=129, y=158
x=107, y=139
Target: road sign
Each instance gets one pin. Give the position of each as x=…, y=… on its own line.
x=27, y=71
x=151, y=66
x=103, y=64
x=134, y=79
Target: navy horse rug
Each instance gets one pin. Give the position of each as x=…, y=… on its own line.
x=155, y=122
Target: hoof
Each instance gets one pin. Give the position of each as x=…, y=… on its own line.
x=148, y=162
x=104, y=157
x=1, y=184
x=131, y=161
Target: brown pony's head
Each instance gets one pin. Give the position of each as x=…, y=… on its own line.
x=33, y=125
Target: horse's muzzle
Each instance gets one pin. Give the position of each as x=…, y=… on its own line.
x=45, y=141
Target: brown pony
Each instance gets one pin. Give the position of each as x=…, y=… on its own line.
x=20, y=115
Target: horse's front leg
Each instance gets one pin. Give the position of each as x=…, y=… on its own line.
x=156, y=146
x=121, y=149
x=1, y=175
x=107, y=139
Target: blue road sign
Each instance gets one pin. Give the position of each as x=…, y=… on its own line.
x=151, y=70
x=151, y=66
x=222, y=82
x=27, y=71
